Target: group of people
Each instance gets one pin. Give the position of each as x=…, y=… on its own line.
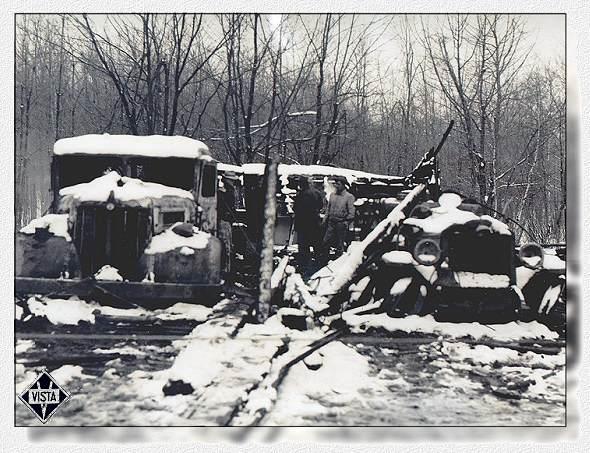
x=315, y=232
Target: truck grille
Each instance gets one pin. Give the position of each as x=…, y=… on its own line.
x=116, y=237
x=491, y=253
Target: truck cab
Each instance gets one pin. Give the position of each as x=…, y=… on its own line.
x=144, y=206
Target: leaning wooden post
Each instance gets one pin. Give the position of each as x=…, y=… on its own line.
x=267, y=240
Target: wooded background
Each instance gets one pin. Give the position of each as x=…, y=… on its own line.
x=372, y=92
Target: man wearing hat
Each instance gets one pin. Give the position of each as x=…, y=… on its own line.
x=307, y=206
x=339, y=216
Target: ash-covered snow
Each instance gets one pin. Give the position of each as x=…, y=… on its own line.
x=108, y=273
x=343, y=377
x=68, y=373
x=169, y=240
x=61, y=311
x=124, y=189
x=57, y=224
x=134, y=145
x=428, y=325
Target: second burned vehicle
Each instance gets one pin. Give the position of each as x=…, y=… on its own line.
x=451, y=259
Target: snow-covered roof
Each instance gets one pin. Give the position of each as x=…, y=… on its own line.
x=124, y=189
x=286, y=170
x=229, y=167
x=132, y=145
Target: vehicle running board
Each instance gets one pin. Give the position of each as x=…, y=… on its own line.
x=144, y=294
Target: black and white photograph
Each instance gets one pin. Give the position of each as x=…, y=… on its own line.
x=260, y=219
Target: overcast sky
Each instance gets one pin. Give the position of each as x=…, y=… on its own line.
x=546, y=33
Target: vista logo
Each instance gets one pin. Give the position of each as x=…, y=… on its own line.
x=44, y=396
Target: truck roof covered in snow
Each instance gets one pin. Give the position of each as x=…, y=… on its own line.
x=132, y=145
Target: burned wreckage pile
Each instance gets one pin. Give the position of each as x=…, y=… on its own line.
x=143, y=218
x=446, y=258
x=151, y=221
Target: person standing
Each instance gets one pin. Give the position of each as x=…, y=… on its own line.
x=226, y=206
x=306, y=208
x=339, y=217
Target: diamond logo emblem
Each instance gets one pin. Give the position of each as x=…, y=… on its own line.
x=44, y=396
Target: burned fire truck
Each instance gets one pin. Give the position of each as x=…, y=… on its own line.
x=451, y=259
x=131, y=217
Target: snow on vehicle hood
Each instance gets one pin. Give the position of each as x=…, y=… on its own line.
x=444, y=217
x=57, y=224
x=169, y=240
x=124, y=189
x=149, y=145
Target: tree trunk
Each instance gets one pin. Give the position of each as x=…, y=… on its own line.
x=267, y=241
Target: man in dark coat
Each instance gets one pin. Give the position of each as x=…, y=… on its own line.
x=307, y=206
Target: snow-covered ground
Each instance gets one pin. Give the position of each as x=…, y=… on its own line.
x=420, y=373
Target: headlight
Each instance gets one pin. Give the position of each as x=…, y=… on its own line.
x=531, y=255
x=427, y=252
